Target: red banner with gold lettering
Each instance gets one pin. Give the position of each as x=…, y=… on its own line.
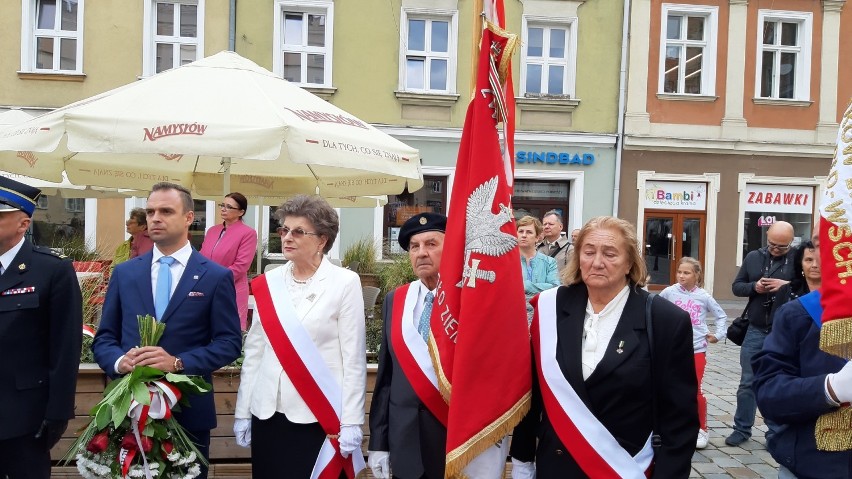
x=480, y=339
x=834, y=430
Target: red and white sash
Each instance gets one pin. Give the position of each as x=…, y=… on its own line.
x=413, y=353
x=308, y=372
x=591, y=445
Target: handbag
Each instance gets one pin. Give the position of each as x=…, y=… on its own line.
x=737, y=330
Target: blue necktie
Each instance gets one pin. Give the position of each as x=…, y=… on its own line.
x=164, y=287
x=423, y=326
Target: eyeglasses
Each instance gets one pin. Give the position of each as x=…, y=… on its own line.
x=296, y=233
x=782, y=247
x=228, y=207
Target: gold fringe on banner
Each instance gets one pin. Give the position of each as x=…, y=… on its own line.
x=836, y=337
x=444, y=385
x=834, y=430
x=461, y=456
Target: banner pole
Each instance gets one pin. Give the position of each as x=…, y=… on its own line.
x=476, y=35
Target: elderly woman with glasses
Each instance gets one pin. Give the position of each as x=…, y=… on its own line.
x=232, y=244
x=302, y=390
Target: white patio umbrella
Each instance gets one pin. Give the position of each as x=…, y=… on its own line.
x=13, y=117
x=334, y=201
x=66, y=189
x=190, y=124
x=63, y=188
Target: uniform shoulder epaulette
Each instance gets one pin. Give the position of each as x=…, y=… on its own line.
x=49, y=252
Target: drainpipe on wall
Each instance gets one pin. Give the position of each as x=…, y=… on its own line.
x=232, y=25
x=622, y=95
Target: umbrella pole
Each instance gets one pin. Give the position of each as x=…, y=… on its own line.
x=226, y=168
x=259, y=227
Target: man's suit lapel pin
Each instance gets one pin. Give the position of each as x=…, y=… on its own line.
x=195, y=276
x=620, y=347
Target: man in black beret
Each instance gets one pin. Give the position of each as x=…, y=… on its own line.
x=41, y=318
x=407, y=414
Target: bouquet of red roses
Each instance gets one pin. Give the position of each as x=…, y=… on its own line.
x=132, y=432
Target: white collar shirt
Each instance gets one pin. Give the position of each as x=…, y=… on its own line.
x=177, y=268
x=9, y=256
x=598, y=330
x=421, y=300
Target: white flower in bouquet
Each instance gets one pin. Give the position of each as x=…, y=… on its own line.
x=132, y=432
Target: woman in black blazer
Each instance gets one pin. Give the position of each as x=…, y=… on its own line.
x=600, y=409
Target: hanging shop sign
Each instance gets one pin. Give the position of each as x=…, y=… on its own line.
x=779, y=198
x=554, y=158
x=675, y=195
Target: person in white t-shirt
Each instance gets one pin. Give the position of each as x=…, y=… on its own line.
x=688, y=294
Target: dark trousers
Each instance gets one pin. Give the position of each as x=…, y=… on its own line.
x=24, y=457
x=282, y=448
x=202, y=442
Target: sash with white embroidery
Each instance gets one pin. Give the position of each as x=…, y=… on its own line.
x=308, y=372
x=412, y=353
x=591, y=445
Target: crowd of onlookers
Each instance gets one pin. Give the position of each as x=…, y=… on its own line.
x=618, y=371
x=783, y=371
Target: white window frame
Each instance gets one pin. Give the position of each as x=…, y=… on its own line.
x=29, y=12
x=711, y=32
x=318, y=7
x=802, y=79
x=570, y=63
x=75, y=205
x=450, y=16
x=150, y=37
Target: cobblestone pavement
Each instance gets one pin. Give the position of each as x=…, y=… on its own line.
x=721, y=378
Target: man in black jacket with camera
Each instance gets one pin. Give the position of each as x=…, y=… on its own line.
x=762, y=273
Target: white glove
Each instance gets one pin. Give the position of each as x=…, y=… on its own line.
x=522, y=470
x=349, y=439
x=841, y=383
x=379, y=462
x=242, y=432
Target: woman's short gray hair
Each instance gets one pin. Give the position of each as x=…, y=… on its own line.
x=321, y=215
x=627, y=232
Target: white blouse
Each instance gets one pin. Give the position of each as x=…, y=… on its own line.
x=598, y=330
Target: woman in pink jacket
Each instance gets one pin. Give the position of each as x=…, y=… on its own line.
x=232, y=244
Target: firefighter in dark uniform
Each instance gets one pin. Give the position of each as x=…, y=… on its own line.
x=41, y=318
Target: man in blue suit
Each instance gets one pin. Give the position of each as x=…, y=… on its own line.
x=193, y=296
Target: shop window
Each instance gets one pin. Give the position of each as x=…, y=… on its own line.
x=548, y=57
x=303, y=36
x=174, y=34
x=689, y=50
x=784, y=55
x=535, y=198
x=59, y=224
x=428, y=51
x=767, y=204
x=199, y=224
x=756, y=223
x=273, y=242
x=52, y=36
x=431, y=198
x=75, y=205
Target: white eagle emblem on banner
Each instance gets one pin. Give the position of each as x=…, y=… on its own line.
x=482, y=233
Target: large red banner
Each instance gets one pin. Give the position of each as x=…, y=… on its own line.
x=834, y=429
x=480, y=339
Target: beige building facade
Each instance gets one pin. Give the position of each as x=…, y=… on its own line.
x=732, y=114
